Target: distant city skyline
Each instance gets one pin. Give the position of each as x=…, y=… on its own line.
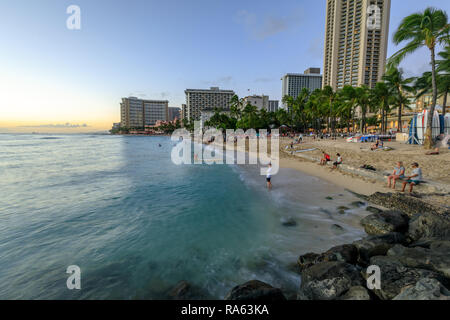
x=58, y=80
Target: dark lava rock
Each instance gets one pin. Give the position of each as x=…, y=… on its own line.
x=342, y=209
x=377, y=246
x=344, y=253
x=430, y=226
x=358, y=204
x=288, y=222
x=405, y=203
x=184, y=291
x=328, y=280
x=395, y=276
x=356, y=293
x=337, y=228
x=256, y=291
x=385, y=222
x=373, y=209
x=435, y=260
x=425, y=289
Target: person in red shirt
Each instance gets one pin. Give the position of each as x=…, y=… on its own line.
x=325, y=158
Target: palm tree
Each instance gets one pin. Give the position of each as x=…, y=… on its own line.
x=348, y=95
x=363, y=98
x=423, y=86
x=428, y=28
x=399, y=87
x=330, y=95
x=236, y=106
x=382, y=97
x=424, y=83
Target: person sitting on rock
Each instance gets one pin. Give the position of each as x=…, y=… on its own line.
x=399, y=173
x=338, y=161
x=415, y=179
x=326, y=158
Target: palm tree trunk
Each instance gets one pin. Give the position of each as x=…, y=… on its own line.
x=399, y=124
x=444, y=104
x=428, y=143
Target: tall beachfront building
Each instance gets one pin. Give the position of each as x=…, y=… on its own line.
x=356, y=38
x=138, y=113
x=198, y=100
x=294, y=83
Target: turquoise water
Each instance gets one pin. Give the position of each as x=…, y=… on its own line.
x=136, y=224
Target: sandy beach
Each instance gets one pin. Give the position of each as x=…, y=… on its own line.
x=435, y=168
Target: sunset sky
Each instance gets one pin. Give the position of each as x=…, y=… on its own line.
x=54, y=79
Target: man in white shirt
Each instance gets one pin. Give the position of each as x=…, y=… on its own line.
x=415, y=179
x=269, y=176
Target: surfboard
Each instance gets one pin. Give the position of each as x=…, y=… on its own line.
x=435, y=125
x=447, y=123
x=421, y=117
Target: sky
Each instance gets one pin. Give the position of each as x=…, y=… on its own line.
x=53, y=79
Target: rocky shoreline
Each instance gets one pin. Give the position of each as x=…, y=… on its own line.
x=409, y=242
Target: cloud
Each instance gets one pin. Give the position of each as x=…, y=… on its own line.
x=138, y=94
x=261, y=28
x=165, y=94
x=225, y=80
x=65, y=125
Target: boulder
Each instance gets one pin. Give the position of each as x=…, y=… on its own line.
x=405, y=203
x=344, y=253
x=255, y=291
x=430, y=226
x=395, y=276
x=288, y=222
x=342, y=209
x=185, y=291
x=385, y=222
x=328, y=280
x=358, y=204
x=356, y=293
x=425, y=289
x=337, y=229
x=373, y=209
x=377, y=246
x=417, y=257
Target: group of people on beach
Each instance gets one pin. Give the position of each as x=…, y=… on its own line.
x=326, y=158
x=399, y=174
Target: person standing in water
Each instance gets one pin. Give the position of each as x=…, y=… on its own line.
x=269, y=176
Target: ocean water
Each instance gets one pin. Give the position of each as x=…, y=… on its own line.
x=137, y=224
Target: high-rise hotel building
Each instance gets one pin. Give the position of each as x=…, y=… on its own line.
x=198, y=100
x=356, y=38
x=138, y=113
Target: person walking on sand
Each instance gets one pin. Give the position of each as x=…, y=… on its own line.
x=269, y=176
x=399, y=173
x=415, y=179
